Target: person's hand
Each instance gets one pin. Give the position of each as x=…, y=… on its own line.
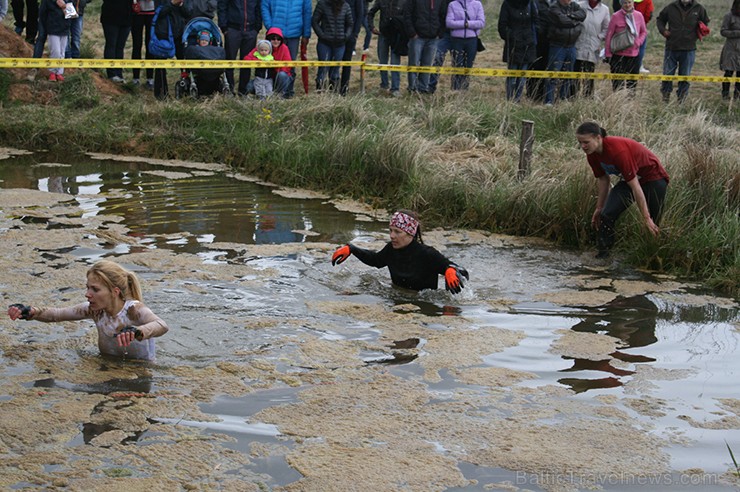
x=654, y=229
x=128, y=335
x=136, y=7
x=453, y=278
x=304, y=42
x=375, y=31
x=21, y=311
x=666, y=33
x=596, y=219
x=340, y=255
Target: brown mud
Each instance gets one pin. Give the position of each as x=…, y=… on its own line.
x=352, y=426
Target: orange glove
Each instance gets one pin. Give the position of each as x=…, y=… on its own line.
x=453, y=279
x=340, y=255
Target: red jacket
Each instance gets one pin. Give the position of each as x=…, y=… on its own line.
x=281, y=53
x=645, y=7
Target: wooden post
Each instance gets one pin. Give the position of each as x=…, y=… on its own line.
x=362, y=74
x=525, y=148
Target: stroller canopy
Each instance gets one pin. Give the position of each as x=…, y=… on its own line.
x=198, y=24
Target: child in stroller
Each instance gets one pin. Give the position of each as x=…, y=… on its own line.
x=202, y=40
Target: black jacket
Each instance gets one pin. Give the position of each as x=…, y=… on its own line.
x=417, y=266
x=388, y=9
x=425, y=18
x=516, y=26
x=332, y=29
x=116, y=12
x=682, y=23
x=52, y=18
x=243, y=15
x=565, y=23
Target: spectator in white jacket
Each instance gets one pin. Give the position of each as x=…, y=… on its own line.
x=591, y=41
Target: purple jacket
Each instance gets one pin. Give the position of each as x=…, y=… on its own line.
x=459, y=11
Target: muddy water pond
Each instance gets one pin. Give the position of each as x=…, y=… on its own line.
x=551, y=371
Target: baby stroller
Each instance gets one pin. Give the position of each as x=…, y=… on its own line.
x=202, y=81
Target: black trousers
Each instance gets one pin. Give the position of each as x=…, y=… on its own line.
x=31, y=24
x=349, y=48
x=239, y=43
x=620, y=198
x=624, y=64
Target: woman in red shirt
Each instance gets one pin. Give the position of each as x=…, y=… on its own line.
x=643, y=180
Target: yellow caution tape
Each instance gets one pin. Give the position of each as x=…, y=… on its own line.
x=233, y=64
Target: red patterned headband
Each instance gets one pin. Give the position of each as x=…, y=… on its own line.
x=405, y=222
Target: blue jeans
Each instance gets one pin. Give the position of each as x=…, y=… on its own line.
x=463, y=55
x=38, y=47
x=515, y=85
x=75, y=36
x=641, y=53
x=328, y=53
x=115, y=42
x=560, y=59
x=384, y=52
x=284, y=84
x=421, y=54
x=683, y=60
x=292, y=44
x=443, y=46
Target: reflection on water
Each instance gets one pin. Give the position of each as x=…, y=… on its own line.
x=208, y=207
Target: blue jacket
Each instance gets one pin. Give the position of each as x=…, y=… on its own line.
x=243, y=15
x=293, y=17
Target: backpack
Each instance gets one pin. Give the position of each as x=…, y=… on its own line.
x=161, y=48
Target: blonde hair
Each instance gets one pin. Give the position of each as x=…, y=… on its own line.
x=114, y=275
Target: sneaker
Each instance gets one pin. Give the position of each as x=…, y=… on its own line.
x=52, y=77
x=136, y=82
x=548, y=105
x=602, y=254
x=149, y=84
x=395, y=93
x=354, y=53
x=60, y=77
x=117, y=79
x=643, y=69
x=366, y=51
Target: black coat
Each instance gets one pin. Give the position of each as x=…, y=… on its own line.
x=332, y=29
x=425, y=18
x=53, y=18
x=388, y=9
x=517, y=27
x=116, y=12
x=565, y=23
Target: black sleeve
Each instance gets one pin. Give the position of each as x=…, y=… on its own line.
x=371, y=258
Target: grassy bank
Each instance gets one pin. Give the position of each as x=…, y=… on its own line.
x=453, y=157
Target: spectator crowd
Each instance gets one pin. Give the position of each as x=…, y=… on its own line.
x=551, y=35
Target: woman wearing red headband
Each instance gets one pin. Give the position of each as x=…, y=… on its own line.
x=412, y=264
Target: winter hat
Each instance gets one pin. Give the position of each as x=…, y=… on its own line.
x=264, y=42
x=204, y=36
